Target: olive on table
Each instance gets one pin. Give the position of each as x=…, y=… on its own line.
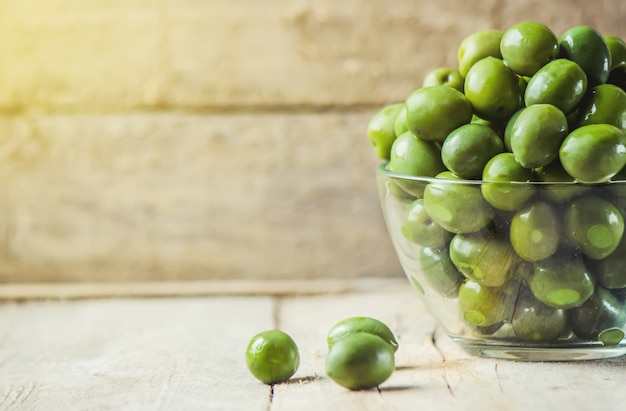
x=561, y=83
x=421, y=229
x=360, y=361
x=585, y=46
x=561, y=281
x=482, y=306
x=536, y=231
x=361, y=324
x=457, y=207
x=433, y=112
x=477, y=46
x=440, y=272
x=467, y=149
x=499, y=189
x=600, y=318
x=594, y=225
x=493, y=89
x=537, y=135
x=527, y=46
x=272, y=356
x=533, y=321
x=594, y=153
x=483, y=257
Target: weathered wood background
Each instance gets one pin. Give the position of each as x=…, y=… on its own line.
x=188, y=139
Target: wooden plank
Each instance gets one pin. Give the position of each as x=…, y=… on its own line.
x=173, y=196
x=310, y=318
x=187, y=353
x=108, y=55
x=131, y=354
x=432, y=371
x=74, y=291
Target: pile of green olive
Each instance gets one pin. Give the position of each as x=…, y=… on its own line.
x=520, y=216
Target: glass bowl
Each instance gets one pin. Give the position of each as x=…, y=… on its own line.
x=530, y=271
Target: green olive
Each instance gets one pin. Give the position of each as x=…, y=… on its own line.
x=467, y=149
x=402, y=190
x=380, y=130
x=399, y=126
x=528, y=46
x=585, y=46
x=360, y=361
x=420, y=228
x=456, y=206
x=600, y=318
x=497, y=187
x=594, y=225
x=508, y=129
x=561, y=281
x=610, y=271
x=535, y=231
x=559, y=192
x=537, y=135
x=444, y=76
x=533, y=321
x=484, y=306
x=594, y=153
x=604, y=104
x=493, y=89
x=483, y=257
x=354, y=325
x=272, y=357
x=477, y=46
x=439, y=271
x=447, y=175
x=433, y=112
x=561, y=83
x=415, y=157
x=617, y=48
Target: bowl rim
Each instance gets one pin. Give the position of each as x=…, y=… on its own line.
x=382, y=170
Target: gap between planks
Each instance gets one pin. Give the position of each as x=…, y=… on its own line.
x=240, y=287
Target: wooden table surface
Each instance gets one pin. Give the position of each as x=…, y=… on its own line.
x=62, y=351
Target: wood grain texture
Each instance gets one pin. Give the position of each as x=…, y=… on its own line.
x=131, y=354
x=230, y=287
x=108, y=55
x=187, y=354
x=183, y=139
x=189, y=196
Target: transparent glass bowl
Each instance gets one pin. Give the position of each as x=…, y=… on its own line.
x=541, y=277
